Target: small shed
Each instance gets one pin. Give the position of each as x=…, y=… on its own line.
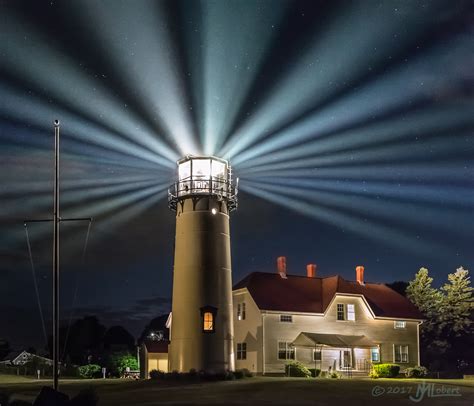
x=153, y=355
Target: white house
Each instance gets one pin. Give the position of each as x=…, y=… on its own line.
x=23, y=357
x=327, y=323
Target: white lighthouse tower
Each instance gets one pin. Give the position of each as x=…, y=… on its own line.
x=201, y=326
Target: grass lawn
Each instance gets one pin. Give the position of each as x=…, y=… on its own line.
x=259, y=391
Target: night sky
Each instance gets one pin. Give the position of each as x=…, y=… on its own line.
x=349, y=124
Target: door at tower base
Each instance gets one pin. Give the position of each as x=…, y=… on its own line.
x=202, y=324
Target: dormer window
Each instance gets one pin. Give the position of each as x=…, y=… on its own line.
x=208, y=316
x=351, y=312
x=340, y=311
x=345, y=312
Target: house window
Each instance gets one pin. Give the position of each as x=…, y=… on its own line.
x=351, y=312
x=285, y=350
x=286, y=318
x=208, y=315
x=241, y=350
x=375, y=354
x=317, y=354
x=400, y=324
x=400, y=353
x=241, y=311
x=340, y=311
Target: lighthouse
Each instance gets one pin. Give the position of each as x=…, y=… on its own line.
x=201, y=335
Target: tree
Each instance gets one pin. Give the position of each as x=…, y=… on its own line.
x=117, y=338
x=157, y=327
x=447, y=332
x=426, y=298
x=458, y=304
x=118, y=362
x=4, y=348
x=84, y=340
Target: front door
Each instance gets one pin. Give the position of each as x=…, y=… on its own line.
x=345, y=359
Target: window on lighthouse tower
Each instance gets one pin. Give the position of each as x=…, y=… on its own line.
x=208, y=321
x=208, y=315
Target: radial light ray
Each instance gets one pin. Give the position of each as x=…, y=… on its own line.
x=437, y=148
x=405, y=84
x=345, y=221
x=443, y=172
x=344, y=52
x=457, y=197
x=237, y=38
x=89, y=97
x=36, y=112
x=151, y=68
x=418, y=124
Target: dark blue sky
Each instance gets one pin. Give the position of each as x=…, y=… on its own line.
x=350, y=126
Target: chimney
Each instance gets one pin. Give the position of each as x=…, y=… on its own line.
x=360, y=274
x=281, y=266
x=311, y=270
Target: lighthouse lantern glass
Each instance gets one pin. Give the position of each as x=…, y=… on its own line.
x=218, y=170
x=202, y=175
x=184, y=170
x=201, y=168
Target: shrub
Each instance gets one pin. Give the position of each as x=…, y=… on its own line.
x=373, y=374
x=386, y=370
x=157, y=374
x=315, y=372
x=247, y=373
x=297, y=369
x=239, y=374
x=335, y=375
x=90, y=371
x=416, y=372
x=118, y=362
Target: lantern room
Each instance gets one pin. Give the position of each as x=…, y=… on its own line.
x=203, y=176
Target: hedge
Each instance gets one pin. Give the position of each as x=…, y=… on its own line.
x=385, y=371
x=297, y=369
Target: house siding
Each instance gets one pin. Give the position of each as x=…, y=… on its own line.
x=248, y=331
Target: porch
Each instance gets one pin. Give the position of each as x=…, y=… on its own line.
x=347, y=354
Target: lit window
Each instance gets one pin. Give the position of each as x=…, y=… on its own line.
x=208, y=321
x=285, y=350
x=317, y=354
x=241, y=311
x=208, y=314
x=400, y=324
x=351, y=312
x=375, y=354
x=286, y=318
x=241, y=350
x=340, y=311
x=400, y=353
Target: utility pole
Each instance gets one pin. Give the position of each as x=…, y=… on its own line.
x=56, y=221
x=56, y=259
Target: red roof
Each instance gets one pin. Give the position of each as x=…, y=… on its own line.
x=312, y=295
